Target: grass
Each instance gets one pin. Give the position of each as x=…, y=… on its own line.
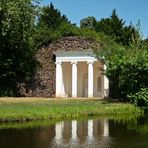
x=26, y=109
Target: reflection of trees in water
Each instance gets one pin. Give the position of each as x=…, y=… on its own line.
x=133, y=133
x=26, y=137
x=141, y=125
x=105, y=142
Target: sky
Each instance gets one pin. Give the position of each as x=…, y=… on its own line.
x=129, y=10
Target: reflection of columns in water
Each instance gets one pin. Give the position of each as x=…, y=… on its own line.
x=90, y=128
x=97, y=128
x=59, y=130
x=93, y=129
x=82, y=128
x=67, y=130
x=106, y=128
x=74, y=129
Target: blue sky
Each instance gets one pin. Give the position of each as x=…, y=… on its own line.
x=129, y=10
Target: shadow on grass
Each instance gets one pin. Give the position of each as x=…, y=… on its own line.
x=108, y=100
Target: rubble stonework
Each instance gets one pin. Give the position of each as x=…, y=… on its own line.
x=43, y=83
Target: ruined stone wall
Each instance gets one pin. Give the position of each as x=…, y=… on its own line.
x=43, y=82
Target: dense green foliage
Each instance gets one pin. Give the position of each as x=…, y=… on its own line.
x=51, y=25
x=16, y=52
x=51, y=17
x=140, y=98
x=115, y=27
x=112, y=26
x=128, y=70
x=89, y=22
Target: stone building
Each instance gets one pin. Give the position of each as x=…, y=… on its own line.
x=68, y=68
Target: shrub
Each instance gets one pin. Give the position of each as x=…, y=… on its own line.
x=140, y=98
x=67, y=29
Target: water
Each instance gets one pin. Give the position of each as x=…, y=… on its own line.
x=83, y=133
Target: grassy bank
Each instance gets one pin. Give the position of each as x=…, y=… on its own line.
x=23, y=109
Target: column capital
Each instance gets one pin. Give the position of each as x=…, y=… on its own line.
x=74, y=62
x=58, y=62
x=90, y=62
x=105, y=67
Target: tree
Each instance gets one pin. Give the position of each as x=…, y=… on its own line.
x=127, y=69
x=49, y=22
x=51, y=17
x=88, y=23
x=116, y=29
x=16, y=49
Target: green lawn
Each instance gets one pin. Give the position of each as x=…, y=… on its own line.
x=22, y=109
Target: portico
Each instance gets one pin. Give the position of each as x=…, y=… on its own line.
x=80, y=74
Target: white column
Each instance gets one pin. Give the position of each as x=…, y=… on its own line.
x=59, y=131
x=90, y=79
x=106, y=84
x=90, y=128
x=74, y=79
x=106, y=128
x=74, y=129
x=60, y=92
x=58, y=79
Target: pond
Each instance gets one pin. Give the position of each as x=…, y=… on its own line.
x=81, y=133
